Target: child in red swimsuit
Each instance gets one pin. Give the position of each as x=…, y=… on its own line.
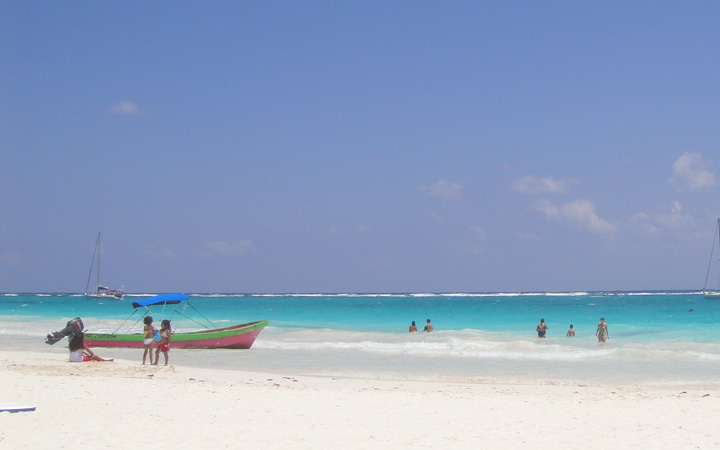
x=164, y=344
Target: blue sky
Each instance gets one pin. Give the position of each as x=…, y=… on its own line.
x=359, y=146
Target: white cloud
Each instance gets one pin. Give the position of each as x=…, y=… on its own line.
x=229, y=248
x=444, y=190
x=579, y=212
x=363, y=228
x=523, y=236
x=477, y=238
x=547, y=208
x=125, y=109
x=674, y=220
x=153, y=251
x=690, y=173
x=478, y=232
x=583, y=213
x=531, y=184
x=645, y=224
x=336, y=230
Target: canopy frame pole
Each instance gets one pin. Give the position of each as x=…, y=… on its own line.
x=203, y=316
x=133, y=325
x=180, y=313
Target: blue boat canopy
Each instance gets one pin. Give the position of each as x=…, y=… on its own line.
x=165, y=299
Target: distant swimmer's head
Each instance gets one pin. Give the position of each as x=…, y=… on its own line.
x=542, y=320
x=571, y=326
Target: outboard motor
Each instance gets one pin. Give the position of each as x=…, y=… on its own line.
x=72, y=328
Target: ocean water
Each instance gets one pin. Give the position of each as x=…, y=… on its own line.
x=655, y=337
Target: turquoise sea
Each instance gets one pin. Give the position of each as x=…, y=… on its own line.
x=655, y=337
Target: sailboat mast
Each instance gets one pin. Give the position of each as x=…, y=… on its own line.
x=98, y=252
x=712, y=253
x=718, y=264
x=92, y=263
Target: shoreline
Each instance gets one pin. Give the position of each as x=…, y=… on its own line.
x=118, y=404
x=352, y=364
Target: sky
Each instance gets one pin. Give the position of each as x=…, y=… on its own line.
x=374, y=146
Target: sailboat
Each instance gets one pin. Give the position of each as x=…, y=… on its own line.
x=713, y=295
x=101, y=291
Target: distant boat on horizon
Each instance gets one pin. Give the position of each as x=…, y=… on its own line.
x=713, y=295
x=100, y=291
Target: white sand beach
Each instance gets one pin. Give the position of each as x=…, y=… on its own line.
x=122, y=404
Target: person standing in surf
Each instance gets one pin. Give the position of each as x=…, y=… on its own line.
x=541, y=328
x=602, y=331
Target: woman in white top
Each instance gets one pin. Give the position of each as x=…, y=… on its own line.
x=80, y=350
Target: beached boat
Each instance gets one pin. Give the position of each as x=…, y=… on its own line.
x=713, y=295
x=238, y=336
x=100, y=291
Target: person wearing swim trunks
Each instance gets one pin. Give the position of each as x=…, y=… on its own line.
x=541, y=328
x=602, y=331
x=571, y=332
x=148, y=332
x=164, y=344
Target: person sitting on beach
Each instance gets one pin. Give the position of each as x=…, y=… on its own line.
x=428, y=327
x=602, y=331
x=541, y=328
x=164, y=344
x=571, y=331
x=149, y=331
x=80, y=350
x=413, y=327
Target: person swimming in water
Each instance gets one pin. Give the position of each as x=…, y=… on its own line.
x=413, y=327
x=571, y=331
x=428, y=327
